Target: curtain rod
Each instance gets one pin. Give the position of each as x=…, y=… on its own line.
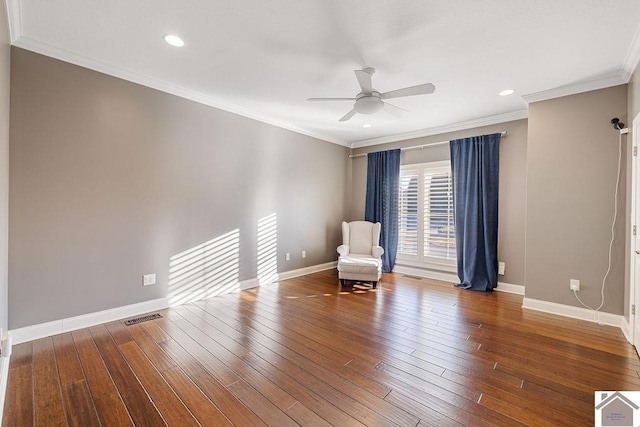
x=503, y=134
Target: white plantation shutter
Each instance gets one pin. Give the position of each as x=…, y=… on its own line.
x=408, y=213
x=425, y=218
x=439, y=235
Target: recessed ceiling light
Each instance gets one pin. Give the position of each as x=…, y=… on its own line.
x=173, y=40
x=506, y=92
x=366, y=125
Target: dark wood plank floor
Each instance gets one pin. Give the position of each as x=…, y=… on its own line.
x=305, y=352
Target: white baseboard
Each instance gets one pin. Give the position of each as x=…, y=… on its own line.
x=4, y=375
x=34, y=332
x=452, y=278
x=574, y=312
x=307, y=270
x=427, y=274
x=248, y=284
x=510, y=288
x=626, y=330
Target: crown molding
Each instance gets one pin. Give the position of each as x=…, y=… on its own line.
x=161, y=85
x=14, y=15
x=437, y=130
x=614, y=78
x=632, y=58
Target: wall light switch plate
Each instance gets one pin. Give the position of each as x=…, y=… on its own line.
x=149, y=279
x=304, y=254
x=287, y=256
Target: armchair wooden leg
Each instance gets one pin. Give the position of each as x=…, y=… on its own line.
x=375, y=284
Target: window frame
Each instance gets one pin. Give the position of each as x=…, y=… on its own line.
x=420, y=260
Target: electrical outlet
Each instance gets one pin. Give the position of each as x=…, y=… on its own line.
x=574, y=284
x=287, y=257
x=501, y=266
x=149, y=279
x=304, y=254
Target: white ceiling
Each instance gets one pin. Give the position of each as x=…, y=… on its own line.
x=264, y=58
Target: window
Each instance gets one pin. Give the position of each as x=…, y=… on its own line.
x=426, y=231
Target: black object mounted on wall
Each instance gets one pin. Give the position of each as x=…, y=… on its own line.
x=617, y=123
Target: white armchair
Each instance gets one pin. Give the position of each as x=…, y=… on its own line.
x=360, y=253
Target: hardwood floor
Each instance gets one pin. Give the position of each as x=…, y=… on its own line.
x=305, y=352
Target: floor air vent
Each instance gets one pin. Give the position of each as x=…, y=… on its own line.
x=142, y=319
x=412, y=277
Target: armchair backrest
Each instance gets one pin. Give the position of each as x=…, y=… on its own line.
x=361, y=236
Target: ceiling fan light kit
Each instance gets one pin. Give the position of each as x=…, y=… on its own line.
x=368, y=104
x=370, y=101
x=173, y=40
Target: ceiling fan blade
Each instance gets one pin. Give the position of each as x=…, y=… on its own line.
x=424, y=89
x=392, y=109
x=364, y=78
x=331, y=99
x=348, y=116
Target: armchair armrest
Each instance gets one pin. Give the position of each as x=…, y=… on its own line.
x=377, y=251
x=343, y=250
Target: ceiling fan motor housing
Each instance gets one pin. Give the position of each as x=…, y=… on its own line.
x=369, y=103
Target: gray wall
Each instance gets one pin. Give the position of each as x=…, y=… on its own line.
x=513, y=151
x=5, y=55
x=571, y=172
x=111, y=180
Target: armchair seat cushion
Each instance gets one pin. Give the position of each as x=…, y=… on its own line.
x=360, y=264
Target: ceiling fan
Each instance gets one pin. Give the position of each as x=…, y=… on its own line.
x=370, y=101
